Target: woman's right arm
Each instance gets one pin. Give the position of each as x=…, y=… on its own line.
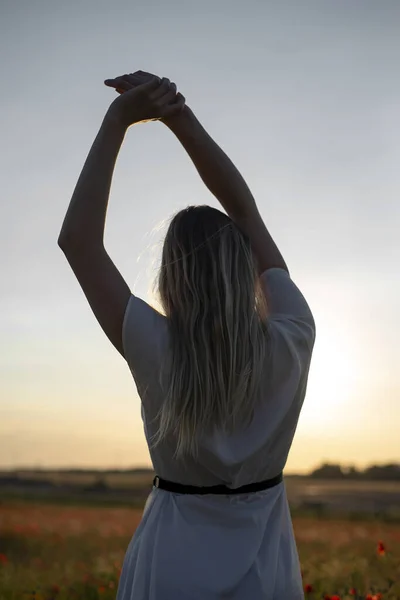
x=286, y=304
x=225, y=182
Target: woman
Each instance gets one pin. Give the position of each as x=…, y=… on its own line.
x=222, y=374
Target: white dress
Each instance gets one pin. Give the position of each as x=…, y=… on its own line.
x=209, y=547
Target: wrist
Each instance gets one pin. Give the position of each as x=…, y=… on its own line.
x=114, y=119
x=177, y=121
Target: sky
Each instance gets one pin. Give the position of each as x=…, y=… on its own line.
x=304, y=97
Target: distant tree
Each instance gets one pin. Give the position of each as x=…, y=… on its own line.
x=351, y=472
x=389, y=472
x=328, y=471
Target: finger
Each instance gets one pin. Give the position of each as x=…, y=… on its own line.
x=144, y=75
x=111, y=80
x=137, y=80
x=181, y=100
x=174, y=109
x=119, y=82
x=125, y=76
x=123, y=85
x=167, y=98
x=172, y=87
x=161, y=90
x=140, y=72
x=132, y=82
x=149, y=86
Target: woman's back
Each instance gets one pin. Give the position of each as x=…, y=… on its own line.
x=227, y=546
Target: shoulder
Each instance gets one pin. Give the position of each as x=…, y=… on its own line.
x=289, y=313
x=144, y=333
x=291, y=328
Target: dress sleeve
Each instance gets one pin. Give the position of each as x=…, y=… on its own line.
x=292, y=335
x=287, y=306
x=283, y=295
x=143, y=334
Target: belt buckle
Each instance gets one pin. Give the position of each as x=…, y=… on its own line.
x=156, y=481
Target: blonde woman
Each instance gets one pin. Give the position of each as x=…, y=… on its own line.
x=222, y=374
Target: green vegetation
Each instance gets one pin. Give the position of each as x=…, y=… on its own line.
x=65, y=552
x=63, y=534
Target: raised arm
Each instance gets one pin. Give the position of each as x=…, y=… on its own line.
x=218, y=173
x=226, y=183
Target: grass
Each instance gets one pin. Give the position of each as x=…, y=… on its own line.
x=56, y=552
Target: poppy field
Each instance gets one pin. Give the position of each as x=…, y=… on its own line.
x=63, y=552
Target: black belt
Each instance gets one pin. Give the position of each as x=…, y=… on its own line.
x=180, y=488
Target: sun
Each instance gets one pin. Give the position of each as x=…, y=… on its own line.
x=333, y=376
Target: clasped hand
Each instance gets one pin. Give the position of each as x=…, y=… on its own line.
x=144, y=97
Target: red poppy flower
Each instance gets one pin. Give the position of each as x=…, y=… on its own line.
x=335, y=597
x=3, y=559
x=308, y=588
x=353, y=592
x=381, y=549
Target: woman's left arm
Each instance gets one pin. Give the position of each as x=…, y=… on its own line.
x=82, y=234
x=83, y=226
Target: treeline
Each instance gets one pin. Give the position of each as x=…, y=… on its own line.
x=79, y=471
x=389, y=472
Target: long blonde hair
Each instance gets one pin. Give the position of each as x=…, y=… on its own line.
x=210, y=292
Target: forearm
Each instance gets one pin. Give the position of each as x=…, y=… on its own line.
x=226, y=183
x=84, y=222
x=215, y=168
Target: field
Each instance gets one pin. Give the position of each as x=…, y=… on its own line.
x=381, y=498
x=58, y=551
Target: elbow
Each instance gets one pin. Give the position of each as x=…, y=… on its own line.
x=72, y=244
x=66, y=241
x=64, y=236
x=63, y=240
x=69, y=239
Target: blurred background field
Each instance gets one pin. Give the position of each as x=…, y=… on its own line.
x=63, y=534
x=326, y=490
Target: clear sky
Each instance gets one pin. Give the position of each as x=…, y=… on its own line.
x=304, y=97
